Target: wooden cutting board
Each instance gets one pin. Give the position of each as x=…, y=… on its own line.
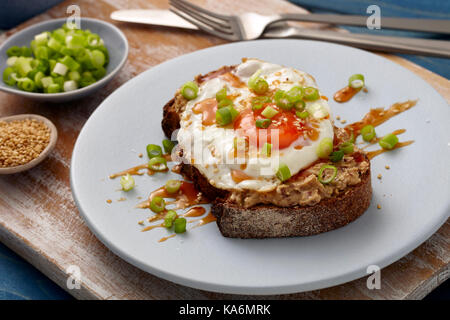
x=39, y=219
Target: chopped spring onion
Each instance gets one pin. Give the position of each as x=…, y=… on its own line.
x=388, y=141
x=263, y=123
x=260, y=86
x=14, y=51
x=324, y=148
x=46, y=82
x=169, y=218
x=179, y=225
x=26, y=84
x=157, y=204
x=267, y=149
x=173, y=186
x=281, y=100
x=252, y=80
x=368, y=133
x=221, y=94
x=153, y=150
x=302, y=115
x=168, y=145
x=331, y=177
x=258, y=102
x=295, y=94
x=53, y=88
x=300, y=105
x=60, y=69
x=157, y=164
x=311, y=94
x=9, y=76
x=317, y=110
x=189, y=90
x=127, y=182
x=70, y=85
x=269, y=112
x=347, y=147
x=356, y=81
x=226, y=115
x=337, y=156
x=283, y=172
x=53, y=54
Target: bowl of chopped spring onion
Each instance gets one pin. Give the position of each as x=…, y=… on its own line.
x=51, y=62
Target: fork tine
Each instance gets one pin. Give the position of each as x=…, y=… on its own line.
x=200, y=9
x=200, y=25
x=212, y=22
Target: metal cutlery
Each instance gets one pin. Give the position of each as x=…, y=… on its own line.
x=249, y=26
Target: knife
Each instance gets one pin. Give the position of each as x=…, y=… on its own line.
x=438, y=48
x=153, y=17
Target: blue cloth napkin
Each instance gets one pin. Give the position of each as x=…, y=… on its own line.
x=431, y=9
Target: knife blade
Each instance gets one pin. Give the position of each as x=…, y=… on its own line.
x=153, y=17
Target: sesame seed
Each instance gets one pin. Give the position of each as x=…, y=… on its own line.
x=387, y=167
x=22, y=141
x=379, y=176
x=378, y=206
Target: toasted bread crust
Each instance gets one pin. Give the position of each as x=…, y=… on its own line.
x=269, y=221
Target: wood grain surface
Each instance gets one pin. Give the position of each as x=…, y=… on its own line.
x=39, y=219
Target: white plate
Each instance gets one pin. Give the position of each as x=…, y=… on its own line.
x=414, y=193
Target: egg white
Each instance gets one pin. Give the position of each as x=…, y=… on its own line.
x=208, y=147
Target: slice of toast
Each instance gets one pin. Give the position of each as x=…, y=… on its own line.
x=268, y=220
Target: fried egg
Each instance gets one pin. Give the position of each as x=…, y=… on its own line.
x=235, y=156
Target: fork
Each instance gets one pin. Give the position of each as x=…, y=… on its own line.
x=250, y=26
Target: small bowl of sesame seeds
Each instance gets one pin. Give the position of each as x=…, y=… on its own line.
x=25, y=140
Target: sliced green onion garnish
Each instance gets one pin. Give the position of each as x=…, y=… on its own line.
x=14, y=51
x=356, y=81
x=324, y=148
x=281, y=100
x=300, y=105
x=331, y=177
x=98, y=58
x=225, y=102
x=189, y=90
x=168, y=146
x=260, y=86
x=283, y=172
x=388, y=141
x=225, y=115
x=9, y=76
x=46, y=82
x=269, y=112
x=157, y=164
x=221, y=94
x=368, y=133
x=337, y=156
x=295, y=94
x=302, y=114
x=70, y=85
x=172, y=186
x=252, y=80
x=53, y=88
x=153, y=150
x=263, y=123
x=267, y=149
x=311, y=94
x=127, y=182
x=179, y=225
x=26, y=84
x=347, y=147
x=157, y=204
x=169, y=218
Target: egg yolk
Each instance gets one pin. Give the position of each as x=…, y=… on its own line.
x=289, y=129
